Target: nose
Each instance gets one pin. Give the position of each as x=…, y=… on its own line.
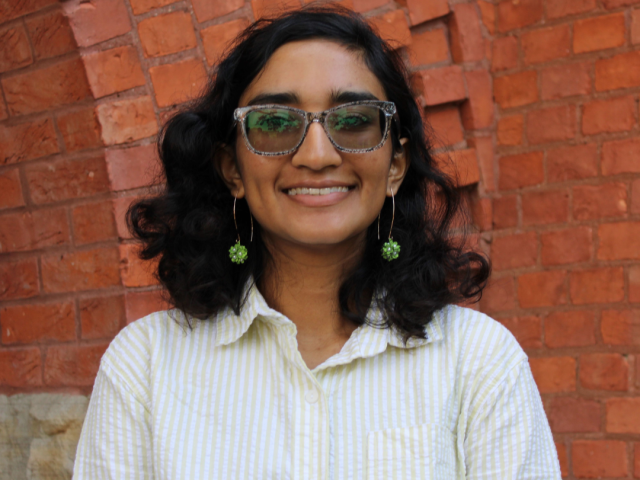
x=317, y=151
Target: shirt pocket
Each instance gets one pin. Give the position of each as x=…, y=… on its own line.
x=424, y=452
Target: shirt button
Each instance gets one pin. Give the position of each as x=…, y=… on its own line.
x=312, y=396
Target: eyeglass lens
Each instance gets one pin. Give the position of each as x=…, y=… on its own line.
x=356, y=127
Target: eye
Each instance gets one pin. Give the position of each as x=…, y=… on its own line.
x=273, y=121
x=349, y=121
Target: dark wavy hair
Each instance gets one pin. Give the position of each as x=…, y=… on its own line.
x=189, y=226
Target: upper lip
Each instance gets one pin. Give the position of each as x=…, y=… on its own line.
x=319, y=184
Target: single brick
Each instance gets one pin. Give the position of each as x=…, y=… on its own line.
x=569, y=7
x=571, y=245
x=505, y=212
x=95, y=22
x=141, y=304
x=15, y=51
x=551, y=124
x=504, y=53
x=134, y=167
x=93, y=223
x=114, y=70
x=19, y=279
x=83, y=270
x=65, y=179
x=514, y=15
x=599, y=458
x=619, y=71
x=102, y=317
x=10, y=189
x=516, y=90
x=461, y=166
x=542, y=289
x=609, y=116
x=573, y=328
x=80, y=129
x=514, y=251
x=599, y=201
x=21, y=367
x=27, y=141
x=554, y=374
x=623, y=415
x=509, y=130
x=135, y=271
x=166, y=34
x=127, y=120
x=477, y=111
x=43, y=322
x=50, y=34
x=620, y=327
x=444, y=126
x=527, y=330
x=216, y=39
x=604, y=371
x=572, y=163
x=521, y=170
x=73, y=365
x=33, y=230
x=59, y=84
x=621, y=156
x=565, y=80
x=443, y=85
x=393, y=28
x=176, y=83
x=574, y=415
x=599, y=33
x=481, y=213
x=499, y=296
x=596, y=285
x=551, y=206
x=467, y=44
x=546, y=44
x=619, y=241
x=423, y=10
x=428, y=47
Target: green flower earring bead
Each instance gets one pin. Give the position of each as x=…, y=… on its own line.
x=238, y=253
x=390, y=250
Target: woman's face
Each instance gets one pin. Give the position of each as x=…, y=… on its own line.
x=314, y=75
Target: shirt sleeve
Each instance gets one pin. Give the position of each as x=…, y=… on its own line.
x=508, y=435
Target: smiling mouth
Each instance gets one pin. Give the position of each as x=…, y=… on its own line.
x=315, y=191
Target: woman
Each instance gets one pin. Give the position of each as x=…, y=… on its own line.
x=309, y=259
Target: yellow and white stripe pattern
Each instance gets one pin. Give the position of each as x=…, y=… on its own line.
x=233, y=399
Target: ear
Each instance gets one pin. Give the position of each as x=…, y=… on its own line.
x=399, y=167
x=227, y=167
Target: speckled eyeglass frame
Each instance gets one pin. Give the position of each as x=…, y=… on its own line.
x=387, y=108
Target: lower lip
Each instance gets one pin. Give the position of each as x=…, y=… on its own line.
x=319, y=200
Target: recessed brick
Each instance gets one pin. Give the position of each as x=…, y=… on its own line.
x=65, y=179
x=127, y=120
x=596, y=285
x=10, y=189
x=393, y=28
x=621, y=156
x=569, y=329
x=599, y=33
x=102, y=317
x=546, y=44
x=542, y=289
x=30, y=231
x=573, y=415
x=19, y=279
x=619, y=241
x=527, y=330
x=443, y=85
x=428, y=47
x=514, y=251
x=554, y=374
x=444, y=126
x=467, y=43
x=539, y=208
x=206, y=9
x=27, y=141
x=423, y=10
x=551, y=124
x=97, y=21
x=516, y=90
x=15, y=51
x=177, y=83
x=505, y=212
x=50, y=34
x=38, y=323
x=93, y=223
x=514, y=15
x=83, y=270
x=623, y=415
x=599, y=458
x=216, y=39
x=477, y=111
x=73, y=365
x=620, y=327
x=166, y=34
x=565, y=80
x=21, y=367
x=604, y=371
x=80, y=129
x=609, y=116
x=569, y=7
x=562, y=247
x=48, y=87
x=504, y=53
x=143, y=6
x=499, y=296
x=135, y=271
x=521, y=170
x=114, y=70
x=619, y=71
x=599, y=201
x=572, y=163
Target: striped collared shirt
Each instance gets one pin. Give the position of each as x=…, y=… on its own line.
x=233, y=399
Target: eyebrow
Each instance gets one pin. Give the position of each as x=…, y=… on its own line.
x=288, y=98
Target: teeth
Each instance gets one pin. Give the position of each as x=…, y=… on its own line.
x=316, y=191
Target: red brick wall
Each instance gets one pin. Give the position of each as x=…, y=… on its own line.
x=536, y=102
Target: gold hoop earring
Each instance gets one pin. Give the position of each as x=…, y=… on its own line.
x=238, y=253
x=390, y=249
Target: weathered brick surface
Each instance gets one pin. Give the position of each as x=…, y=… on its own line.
x=72, y=365
x=83, y=270
x=178, y=82
x=101, y=317
x=544, y=44
x=95, y=22
x=80, y=129
x=113, y=70
x=19, y=279
x=565, y=80
x=38, y=323
x=50, y=34
x=443, y=85
x=573, y=415
x=27, y=141
x=166, y=34
x=570, y=329
x=428, y=47
x=30, y=231
x=10, y=189
x=15, y=51
x=127, y=120
x=217, y=38
x=393, y=27
x=93, y=222
x=599, y=458
x=554, y=374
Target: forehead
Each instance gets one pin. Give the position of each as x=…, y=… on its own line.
x=314, y=70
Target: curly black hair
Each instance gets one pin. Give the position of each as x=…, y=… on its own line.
x=190, y=228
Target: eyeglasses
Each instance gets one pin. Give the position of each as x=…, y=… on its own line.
x=355, y=127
